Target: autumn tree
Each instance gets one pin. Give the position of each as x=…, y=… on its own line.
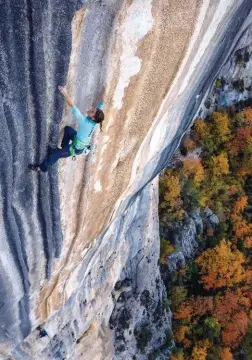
x=171, y=190
x=210, y=323
x=247, y=113
x=199, y=353
x=243, y=231
x=201, y=128
x=240, y=140
x=212, y=328
x=232, y=189
x=178, y=296
x=192, y=168
x=221, y=122
x=229, y=311
x=240, y=204
x=201, y=305
x=165, y=249
x=219, y=165
x=189, y=144
x=184, y=311
x=248, y=242
x=225, y=307
x=221, y=266
x=180, y=333
x=235, y=330
x=225, y=354
x=170, y=201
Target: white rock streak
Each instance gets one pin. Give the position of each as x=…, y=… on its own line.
x=138, y=23
x=97, y=186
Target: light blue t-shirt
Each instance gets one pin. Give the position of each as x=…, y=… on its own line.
x=86, y=124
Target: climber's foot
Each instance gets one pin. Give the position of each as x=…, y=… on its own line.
x=34, y=167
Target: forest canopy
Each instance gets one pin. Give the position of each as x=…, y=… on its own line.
x=212, y=294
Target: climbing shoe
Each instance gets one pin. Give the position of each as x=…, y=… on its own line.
x=34, y=167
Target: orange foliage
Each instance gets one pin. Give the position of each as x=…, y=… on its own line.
x=201, y=305
x=225, y=307
x=242, y=228
x=234, y=321
x=241, y=140
x=232, y=189
x=221, y=266
x=193, y=169
x=225, y=354
x=199, y=353
x=220, y=165
x=247, y=113
x=248, y=242
x=196, y=306
x=180, y=333
x=243, y=171
x=171, y=189
x=221, y=123
x=244, y=301
x=202, y=128
x=187, y=343
x=184, y=312
x=249, y=296
x=240, y=204
x=189, y=144
x=235, y=329
x=172, y=186
x=243, y=136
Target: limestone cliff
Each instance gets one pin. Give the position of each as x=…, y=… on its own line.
x=67, y=237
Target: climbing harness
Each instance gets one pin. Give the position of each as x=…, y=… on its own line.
x=78, y=147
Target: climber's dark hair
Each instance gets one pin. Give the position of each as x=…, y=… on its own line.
x=99, y=117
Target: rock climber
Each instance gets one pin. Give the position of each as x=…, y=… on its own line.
x=74, y=142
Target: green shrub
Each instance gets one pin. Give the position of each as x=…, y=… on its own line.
x=143, y=335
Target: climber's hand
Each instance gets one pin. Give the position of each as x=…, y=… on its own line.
x=67, y=97
x=62, y=90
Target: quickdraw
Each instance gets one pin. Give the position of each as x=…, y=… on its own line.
x=72, y=152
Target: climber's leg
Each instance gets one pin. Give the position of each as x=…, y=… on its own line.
x=69, y=134
x=55, y=156
x=51, y=159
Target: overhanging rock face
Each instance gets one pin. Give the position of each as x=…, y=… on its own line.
x=66, y=240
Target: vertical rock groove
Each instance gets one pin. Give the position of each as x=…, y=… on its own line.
x=35, y=38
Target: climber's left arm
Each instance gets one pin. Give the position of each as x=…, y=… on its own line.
x=67, y=97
